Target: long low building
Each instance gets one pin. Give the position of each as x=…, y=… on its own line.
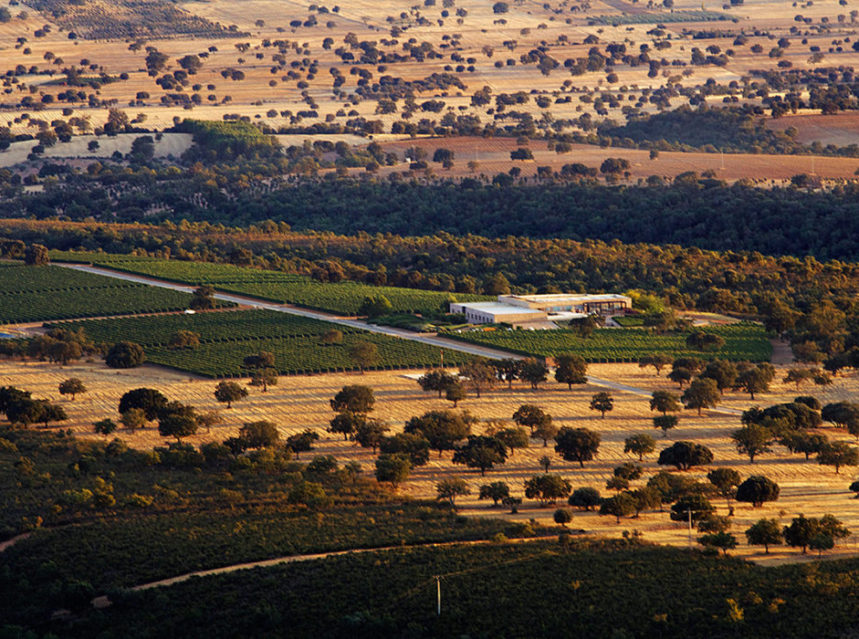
x=529, y=309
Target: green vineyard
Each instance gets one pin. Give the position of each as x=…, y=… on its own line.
x=40, y=293
x=742, y=342
x=339, y=297
x=227, y=338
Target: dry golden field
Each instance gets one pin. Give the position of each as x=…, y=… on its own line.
x=302, y=402
x=493, y=156
x=479, y=37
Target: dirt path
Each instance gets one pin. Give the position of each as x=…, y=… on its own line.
x=782, y=354
x=11, y=542
x=431, y=339
x=103, y=601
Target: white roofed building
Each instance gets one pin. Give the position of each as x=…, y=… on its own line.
x=533, y=309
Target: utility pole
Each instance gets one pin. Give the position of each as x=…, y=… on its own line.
x=438, y=595
x=441, y=352
x=689, y=513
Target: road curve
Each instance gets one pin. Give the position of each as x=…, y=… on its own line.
x=430, y=339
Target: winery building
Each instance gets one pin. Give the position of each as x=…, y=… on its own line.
x=524, y=309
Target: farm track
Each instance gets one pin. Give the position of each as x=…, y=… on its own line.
x=103, y=601
x=430, y=339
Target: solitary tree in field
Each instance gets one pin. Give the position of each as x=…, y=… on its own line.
x=496, y=491
x=545, y=461
x=449, y=489
x=724, y=541
x=704, y=341
x=125, y=355
x=259, y=434
x=640, y=445
x=149, y=400
x=534, y=371
x=602, y=402
x=546, y=430
x=105, y=427
x=665, y=402
x=133, y=419
x=302, y=442
x=571, y=369
x=685, y=455
x=393, y=469
x=620, y=505
x=702, y=393
x=436, y=380
x=345, y=424
x=755, y=379
x=512, y=438
x=838, y=454
x=586, y=498
x=203, y=299
x=478, y=374
x=657, y=360
x=665, y=422
x=531, y=416
x=332, y=337
x=364, y=355
x=229, y=392
x=756, y=490
x=753, y=440
x=481, y=452
x=263, y=370
x=354, y=398
x=177, y=420
x=455, y=393
x=547, y=488
x=723, y=372
x=766, y=533
x=369, y=433
x=577, y=444
x=680, y=375
x=72, y=386
x=443, y=429
x=184, y=340
x=726, y=481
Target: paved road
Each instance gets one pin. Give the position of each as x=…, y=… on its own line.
x=431, y=339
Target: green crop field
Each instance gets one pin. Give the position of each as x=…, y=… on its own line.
x=339, y=297
x=742, y=342
x=39, y=293
x=536, y=589
x=228, y=337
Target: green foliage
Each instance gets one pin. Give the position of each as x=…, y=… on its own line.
x=31, y=294
x=227, y=338
x=547, y=489
x=756, y=490
x=334, y=296
x=577, y=444
x=481, y=452
x=684, y=455
x=227, y=140
x=728, y=130
x=686, y=595
x=766, y=533
x=742, y=342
